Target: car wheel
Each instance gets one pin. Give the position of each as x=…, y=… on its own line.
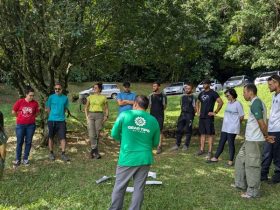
x=114, y=96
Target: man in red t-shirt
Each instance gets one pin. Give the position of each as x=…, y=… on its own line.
x=25, y=110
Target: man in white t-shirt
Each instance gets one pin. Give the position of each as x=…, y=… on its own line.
x=272, y=151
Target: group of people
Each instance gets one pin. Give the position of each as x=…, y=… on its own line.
x=138, y=132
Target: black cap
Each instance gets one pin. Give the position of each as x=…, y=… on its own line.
x=207, y=81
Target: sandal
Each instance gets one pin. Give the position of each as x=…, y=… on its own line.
x=245, y=195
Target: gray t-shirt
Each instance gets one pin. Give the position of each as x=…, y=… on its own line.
x=231, y=122
x=274, y=118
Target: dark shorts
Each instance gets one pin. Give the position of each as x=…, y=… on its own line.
x=160, y=120
x=57, y=128
x=206, y=127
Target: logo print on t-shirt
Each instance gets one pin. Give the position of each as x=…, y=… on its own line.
x=140, y=121
x=26, y=112
x=204, y=97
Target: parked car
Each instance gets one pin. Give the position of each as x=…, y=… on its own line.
x=237, y=81
x=215, y=85
x=109, y=90
x=264, y=76
x=174, y=88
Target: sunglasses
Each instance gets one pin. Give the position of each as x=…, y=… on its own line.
x=57, y=89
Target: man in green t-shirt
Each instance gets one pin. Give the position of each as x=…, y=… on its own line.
x=248, y=160
x=138, y=133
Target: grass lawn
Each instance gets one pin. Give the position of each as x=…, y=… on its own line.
x=188, y=181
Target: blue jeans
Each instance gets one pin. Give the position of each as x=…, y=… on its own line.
x=24, y=133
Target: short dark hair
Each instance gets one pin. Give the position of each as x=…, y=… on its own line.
x=157, y=82
x=232, y=92
x=207, y=81
x=28, y=89
x=126, y=84
x=274, y=77
x=251, y=87
x=99, y=85
x=142, y=101
x=189, y=84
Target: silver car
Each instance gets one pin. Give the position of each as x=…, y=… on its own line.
x=174, y=88
x=109, y=90
x=237, y=81
x=264, y=76
x=215, y=85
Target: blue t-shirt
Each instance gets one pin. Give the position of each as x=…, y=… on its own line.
x=57, y=105
x=126, y=96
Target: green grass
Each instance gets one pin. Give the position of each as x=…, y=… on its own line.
x=188, y=182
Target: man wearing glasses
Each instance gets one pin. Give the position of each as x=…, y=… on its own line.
x=56, y=106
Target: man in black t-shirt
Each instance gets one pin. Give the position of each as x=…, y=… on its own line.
x=158, y=103
x=188, y=110
x=205, y=106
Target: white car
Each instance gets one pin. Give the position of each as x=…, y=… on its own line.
x=215, y=85
x=264, y=76
x=109, y=90
x=174, y=88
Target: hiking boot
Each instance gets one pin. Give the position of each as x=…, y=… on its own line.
x=51, y=156
x=185, y=148
x=16, y=163
x=200, y=152
x=174, y=148
x=64, y=157
x=25, y=162
x=159, y=150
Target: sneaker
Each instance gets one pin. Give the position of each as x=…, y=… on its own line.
x=200, y=152
x=16, y=163
x=51, y=157
x=159, y=150
x=92, y=153
x=275, y=180
x=209, y=155
x=97, y=156
x=174, y=148
x=25, y=162
x=264, y=178
x=64, y=157
x=185, y=148
x=236, y=187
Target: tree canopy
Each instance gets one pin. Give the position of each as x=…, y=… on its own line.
x=44, y=41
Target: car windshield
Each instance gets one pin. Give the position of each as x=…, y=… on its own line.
x=235, y=78
x=107, y=87
x=212, y=82
x=176, y=84
x=268, y=74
